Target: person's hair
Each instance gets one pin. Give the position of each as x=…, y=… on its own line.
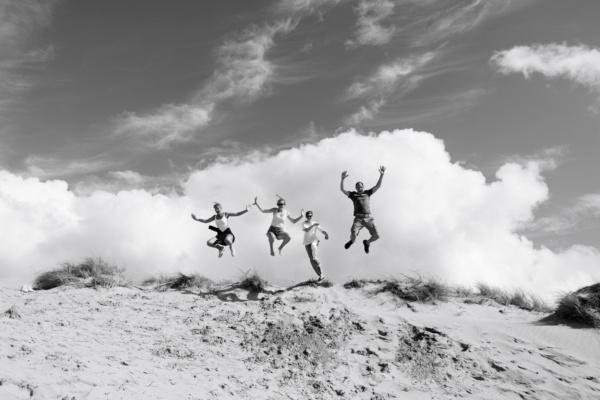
x=360, y=183
x=308, y=212
x=217, y=204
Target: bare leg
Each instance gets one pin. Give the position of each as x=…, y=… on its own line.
x=213, y=243
x=271, y=237
x=286, y=240
x=229, y=241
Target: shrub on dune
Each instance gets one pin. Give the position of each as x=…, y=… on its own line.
x=417, y=288
x=582, y=306
x=253, y=282
x=178, y=281
x=90, y=272
x=517, y=297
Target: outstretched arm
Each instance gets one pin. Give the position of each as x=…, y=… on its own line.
x=259, y=207
x=378, y=185
x=310, y=227
x=294, y=220
x=344, y=176
x=237, y=214
x=206, y=221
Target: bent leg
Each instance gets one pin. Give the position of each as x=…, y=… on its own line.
x=271, y=237
x=370, y=225
x=286, y=239
x=229, y=240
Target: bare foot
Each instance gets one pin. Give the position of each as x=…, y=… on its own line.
x=272, y=253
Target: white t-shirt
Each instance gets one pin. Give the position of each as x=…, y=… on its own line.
x=310, y=235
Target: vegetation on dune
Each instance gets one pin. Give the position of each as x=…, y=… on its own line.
x=429, y=289
x=90, y=272
x=516, y=297
x=178, y=281
x=252, y=281
x=581, y=306
x=425, y=289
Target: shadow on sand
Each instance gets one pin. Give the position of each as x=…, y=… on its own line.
x=229, y=294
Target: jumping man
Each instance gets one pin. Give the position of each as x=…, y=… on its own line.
x=362, y=210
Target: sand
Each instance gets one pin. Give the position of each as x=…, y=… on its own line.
x=302, y=342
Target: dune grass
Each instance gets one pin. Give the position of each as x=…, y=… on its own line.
x=517, y=297
x=178, y=281
x=420, y=288
x=252, y=281
x=90, y=272
x=581, y=306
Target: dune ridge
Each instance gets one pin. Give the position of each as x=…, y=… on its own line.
x=302, y=342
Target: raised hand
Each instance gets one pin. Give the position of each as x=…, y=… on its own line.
x=381, y=169
x=345, y=174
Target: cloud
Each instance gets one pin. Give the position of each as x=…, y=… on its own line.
x=20, y=22
x=434, y=216
x=370, y=31
x=445, y=20
x=397, y=78
x=569, y=219
x=51, y=167
x=242, y=74
x=580, y=64
x=295, y=7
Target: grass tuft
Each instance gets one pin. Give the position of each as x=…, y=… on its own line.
x=582, y=306
x=178, y=281
x=417, y=288
x=253, y=282
x=517, y=297
x=90, y=272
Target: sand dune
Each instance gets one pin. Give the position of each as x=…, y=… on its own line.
x=303, y=343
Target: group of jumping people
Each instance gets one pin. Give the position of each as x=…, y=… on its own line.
x=362, y=219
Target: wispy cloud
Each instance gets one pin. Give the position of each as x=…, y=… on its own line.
x=396, y=78
x=547, y=159
x=580, y=64
x=45, y=167
x=370, y=31
x=242, y=73
x=20, y=21
x=570, y=218
x=295, y=7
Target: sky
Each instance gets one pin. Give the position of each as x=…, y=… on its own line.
x=118, y=119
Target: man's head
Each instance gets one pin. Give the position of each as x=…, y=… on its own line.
x=281, y=203
x=309, y=214
x=360, y=187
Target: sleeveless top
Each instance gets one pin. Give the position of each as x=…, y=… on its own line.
x=222, y=223
x=279, y=218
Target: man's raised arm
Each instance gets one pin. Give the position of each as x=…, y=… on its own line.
x=378, y=184
x=344, y=176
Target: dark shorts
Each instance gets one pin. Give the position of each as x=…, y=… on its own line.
x=279, y=233
x=222, y=235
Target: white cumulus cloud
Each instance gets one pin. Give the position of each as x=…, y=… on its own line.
x=580, y=64
x=434, y=216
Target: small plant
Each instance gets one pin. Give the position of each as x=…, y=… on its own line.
x=582, y=306
x=417, y=288
x=90, y=272
x=518, y=298
x=253, y=282
x=355, y=284
x=178, y=281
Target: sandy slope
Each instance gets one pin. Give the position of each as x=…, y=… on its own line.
x=301, y=343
